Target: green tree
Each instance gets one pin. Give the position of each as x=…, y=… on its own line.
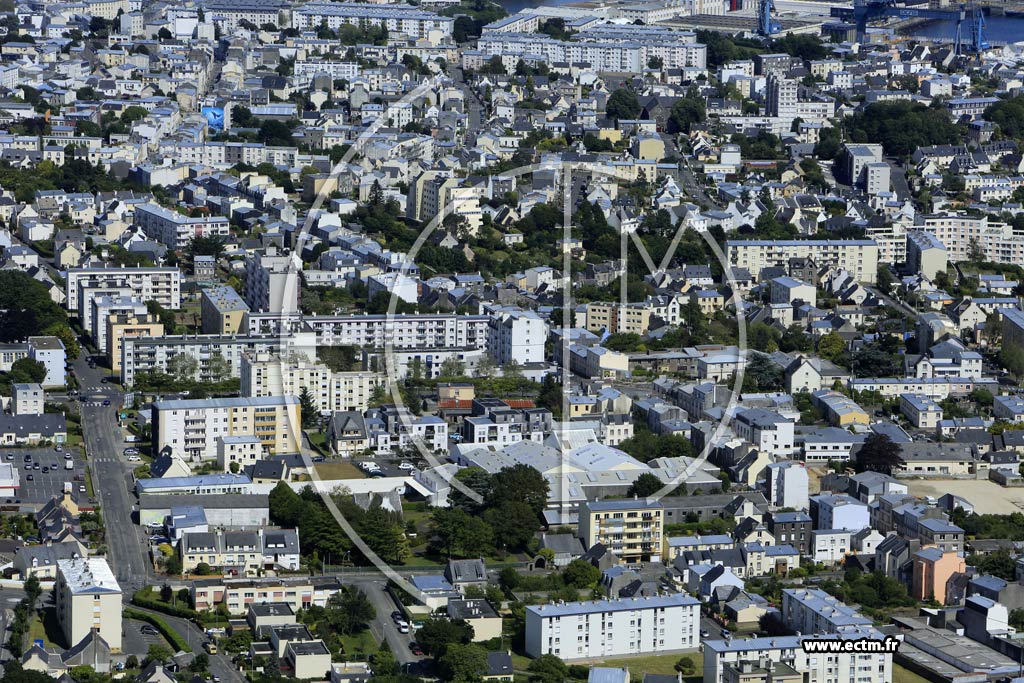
x=463, y=663
x=831, y=346
x=307, y=408
x=157, y=653
x=461, y=533
x=27, y=371
x=879, y=453
x=519, y=483
x=182, y=366
x=581, y=574
x=548, y=669
x=622, y=104
x=437, y=635
x=513, y=522
x=451, y=368
x=1011, y=357
x=687, y=111
x=645, y=485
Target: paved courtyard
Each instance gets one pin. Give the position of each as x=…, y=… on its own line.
x=986, y=496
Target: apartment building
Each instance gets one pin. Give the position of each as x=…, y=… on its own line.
x=51, y=353
x=190, y=428
x=244, y=552
x=960, y=233
x=237, y=595
x=605, y=48
x=631, y=529
x=858, y=257
x=767, y=430
x=926, y=254
x=235, y=453
x=106, y=307
x=88, y=597
x=151, y=354
x=753, y=660
x=272, y=282
x=811, y=610
x=266, y=374
x=610, y=628
x=602, y=316
x=923, y=412
x=162, y=285
x=406, y=331
x=121, y=326
x=516, y=335
x=494, y=423
x=932, y=570
x=175, y=230
x=27, y=399
x=405, y=19
x=937, y=388
x=257, y=12
x=223, y=310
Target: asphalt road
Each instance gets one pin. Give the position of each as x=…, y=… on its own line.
x=220, y=665
x=383, y=627
x=111, y=478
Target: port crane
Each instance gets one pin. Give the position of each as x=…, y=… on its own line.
x=767, y=26
x=970, y=17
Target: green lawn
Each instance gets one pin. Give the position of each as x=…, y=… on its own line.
x=904, y=675
x=338, y=470
x=361, y=643
x=659, y=664
x=46, y=628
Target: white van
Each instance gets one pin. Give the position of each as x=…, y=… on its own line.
x=69, y=464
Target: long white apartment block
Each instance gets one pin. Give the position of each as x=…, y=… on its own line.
x=739, y=659
x=400, y=18
x=174, y=230
x=859, y=257
x=960, y=233
x=151, y=354
x=162, y=285
x=611, y=628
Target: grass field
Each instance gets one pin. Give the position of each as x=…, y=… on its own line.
x=361, y=643
x=338, y=470
x=658, y=664
x=46, y=629
x=903, y=675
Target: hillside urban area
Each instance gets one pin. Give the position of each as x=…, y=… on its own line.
x=463, y=341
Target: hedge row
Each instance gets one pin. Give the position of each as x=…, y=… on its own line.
x=176, y=641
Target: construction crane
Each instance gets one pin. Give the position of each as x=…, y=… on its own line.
x=767, y=26
x=864, y=11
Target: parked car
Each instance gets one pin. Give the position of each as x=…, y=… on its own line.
x=148, y=630
x=406, y=466
x=416, y=649
x=403, y=627
x=30, y=477
x=81, y=489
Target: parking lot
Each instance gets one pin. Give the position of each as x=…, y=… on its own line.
x=987, y=496
x=138, y=636
x=43, y=485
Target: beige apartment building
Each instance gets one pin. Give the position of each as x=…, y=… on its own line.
x=191, y=429
x=858, y=257
x=616, y=318
x=223, y=310
x=88, y=597
x=265, y=374
x=629, y=528
x=128, y=325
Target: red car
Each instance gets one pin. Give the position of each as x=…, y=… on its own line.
x=416, y=649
